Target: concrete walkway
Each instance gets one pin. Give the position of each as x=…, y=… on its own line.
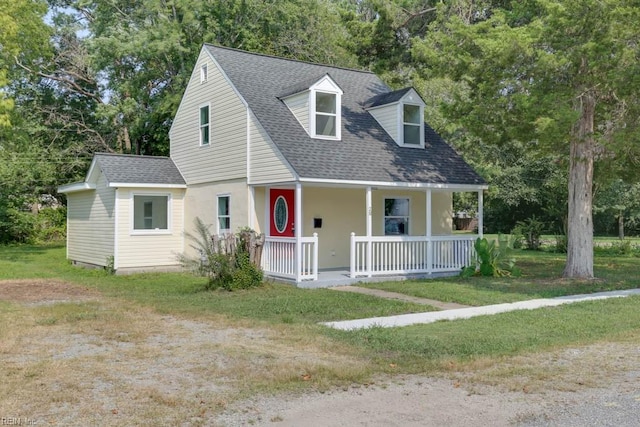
x=465, y=313
x=401, y=297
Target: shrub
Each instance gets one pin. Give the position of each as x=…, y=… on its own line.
x=227, y=260
x=531, y=229
x=492, y=259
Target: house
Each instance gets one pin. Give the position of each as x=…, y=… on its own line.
x=340, y=172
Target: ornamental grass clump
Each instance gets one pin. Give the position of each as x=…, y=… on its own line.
x=229, y=261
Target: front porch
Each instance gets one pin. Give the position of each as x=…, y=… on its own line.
x=377, y=258
x=360, y=233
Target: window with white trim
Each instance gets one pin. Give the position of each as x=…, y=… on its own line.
x=396, y=216
x=204, y=73
x=204, y=125
x=150, y=212
x=326, y=109
x=224, y=215
x=412, y=124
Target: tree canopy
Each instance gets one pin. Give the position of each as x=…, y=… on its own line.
x=553, y=75
x=540, y=96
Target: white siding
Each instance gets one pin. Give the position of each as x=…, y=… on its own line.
x=267, y=165
x=201, y=202
x=139, y=251
x=225, y=156
x=388, y=118
x=90, y=234
x=299, y=106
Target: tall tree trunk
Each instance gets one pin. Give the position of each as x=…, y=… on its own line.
x=621, y=225
x=580, y=224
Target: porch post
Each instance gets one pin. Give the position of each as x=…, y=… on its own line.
x=480, y=213
x=267, y=213
x=429, y=225
x=369, y=232
x=252, y=206
x=298, y=230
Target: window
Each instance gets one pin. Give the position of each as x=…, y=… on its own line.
x=204, y=125
x=224, y=217
x=204, y=73
x=150, y=212
x=412, y=124
x=326, y=114
x=396, y=217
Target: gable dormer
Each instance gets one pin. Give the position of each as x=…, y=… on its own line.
x=401, y=114
x=318, y=107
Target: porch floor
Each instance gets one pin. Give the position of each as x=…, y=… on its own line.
x=340, y=277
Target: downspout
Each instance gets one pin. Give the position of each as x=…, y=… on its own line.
x=116, y=217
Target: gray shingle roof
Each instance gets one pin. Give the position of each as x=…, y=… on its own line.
x=365, y=153
x=130, y=169
x=386, y=98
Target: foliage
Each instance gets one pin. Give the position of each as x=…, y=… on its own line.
x=617, y=208
x=531, y=229
x=556, y=76
x=621, y=248
x=561, y=243
x=224, y=260
x=493, y=259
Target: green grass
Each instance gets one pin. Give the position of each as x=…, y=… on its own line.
x=415, y=347
x=502, y=334
x=540, y=279
x=183, y=293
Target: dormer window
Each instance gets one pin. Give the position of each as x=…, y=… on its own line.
x=401, y=115
x=317, y=106
x=412, y=124
x=326, y=116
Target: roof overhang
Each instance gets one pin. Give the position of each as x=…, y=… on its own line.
x=140, y=185
x=76, y=187
x=340, y=183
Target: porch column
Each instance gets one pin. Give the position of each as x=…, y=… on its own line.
x=480, y=213
x=369, y=232
x=429, y=225
x=298, y=230
x=252, y=207
x=267, y=213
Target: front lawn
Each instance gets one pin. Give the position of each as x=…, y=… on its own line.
x=540, y=279
x=297, y=311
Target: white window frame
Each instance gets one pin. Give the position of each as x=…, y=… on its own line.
x=218, y=216
x=141, y=232
x=204, y=73
x=201, y=126
x=328, y=86
x=402, y=124
x=315, y=114
x=384, y=216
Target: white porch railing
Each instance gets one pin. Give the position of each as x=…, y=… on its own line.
x=378, y=255
x=279, y=258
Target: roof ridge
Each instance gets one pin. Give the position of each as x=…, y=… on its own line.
x=288, y=59
x=131, y=155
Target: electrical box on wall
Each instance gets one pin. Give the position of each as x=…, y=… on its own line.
x=317, y=222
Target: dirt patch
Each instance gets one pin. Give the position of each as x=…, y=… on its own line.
x=104, y=361
x=34, y=291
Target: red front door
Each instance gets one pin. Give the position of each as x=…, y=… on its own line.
x=282, y=212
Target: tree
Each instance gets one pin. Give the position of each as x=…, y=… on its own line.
x=140, y=54
x=558, y=76
x=619, y=201
x=24, y=35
